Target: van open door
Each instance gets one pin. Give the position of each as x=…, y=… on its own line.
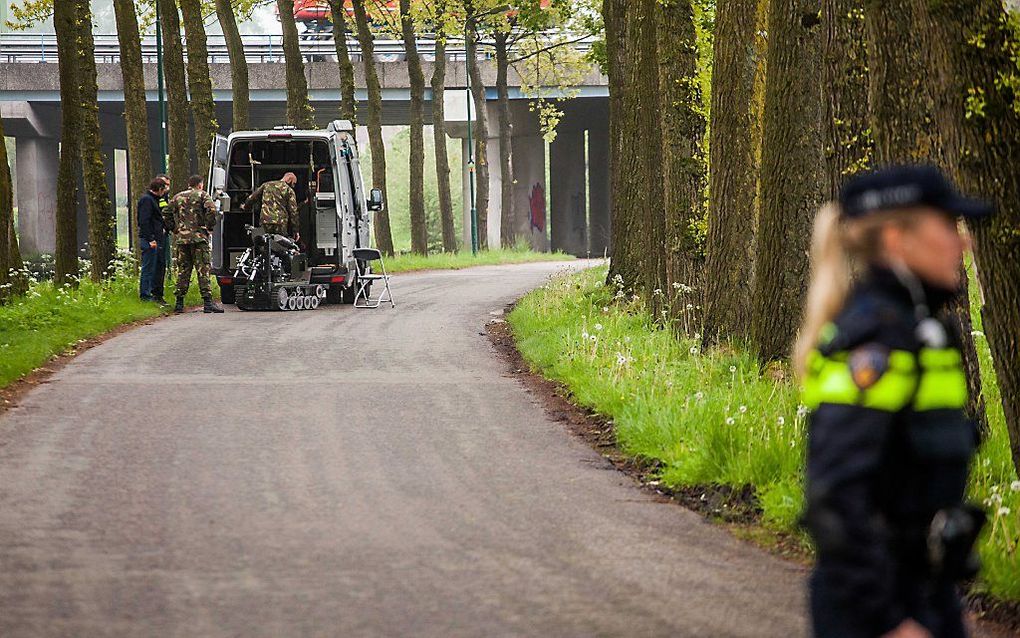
x=219, y=156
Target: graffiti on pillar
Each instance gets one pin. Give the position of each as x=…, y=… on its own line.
x=537, y=203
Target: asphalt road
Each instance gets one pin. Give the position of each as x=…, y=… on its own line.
x=345, y=473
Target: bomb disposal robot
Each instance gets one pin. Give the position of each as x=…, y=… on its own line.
x=261, y=271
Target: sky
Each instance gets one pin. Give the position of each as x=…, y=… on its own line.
x=263, y=21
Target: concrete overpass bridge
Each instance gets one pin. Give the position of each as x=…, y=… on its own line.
x=577, y=191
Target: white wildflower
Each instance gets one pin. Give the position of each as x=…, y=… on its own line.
x=781, y=421
x=802, y=411
x=598, y=327
x=699, y=396
x=584, y=335
x=1004, y=511
x=1015, y=486
x=743, y=409
x=730, y=420
x=733, y=369
x=621, y=359
x=694, y=350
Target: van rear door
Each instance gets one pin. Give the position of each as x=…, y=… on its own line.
x=219, y=157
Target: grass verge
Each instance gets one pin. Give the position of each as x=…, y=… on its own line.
x=457, y=261
x=48, y=321
x=711, y=418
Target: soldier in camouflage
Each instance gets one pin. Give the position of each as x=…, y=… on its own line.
x=193, y=217
x=279, y=206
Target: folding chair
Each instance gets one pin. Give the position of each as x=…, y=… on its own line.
x=364, y=257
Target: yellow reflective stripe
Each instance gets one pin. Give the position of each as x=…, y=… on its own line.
x=944, y=382
x=932, y=358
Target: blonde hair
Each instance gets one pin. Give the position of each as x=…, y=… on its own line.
x=839, y=248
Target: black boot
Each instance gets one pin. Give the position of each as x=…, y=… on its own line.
x=210, y=306
x=179, y=306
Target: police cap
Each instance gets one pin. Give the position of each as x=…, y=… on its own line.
x=906, y=186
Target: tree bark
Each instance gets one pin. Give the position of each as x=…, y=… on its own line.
x=980, y=123
x=508, y=223
x=203, y=108
x=348, y=102
x=439, y=134
x=176, y=96
x=299, y=109
x=848, y=146
x=732, y=175
x=481, y=124
x=682, y=132
x=66, y=257
x=136, y=118
x=101, y=215
x=241, y=104
x=383, y=236
x=625, y=152
x=792, y=177
x=10, y=256
x=416, y=169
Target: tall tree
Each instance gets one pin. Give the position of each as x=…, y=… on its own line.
x=136, y=118
x=481, y=120
x=238, y=65
x=976, y=48
x=792, y=174
x=507, y=229
x=11, y=282
x=732, y=174
x=101, y=215
x=683, y=132
x=66, y=257
x=176, y=95
x=419, y=227
x=299, y=109
x=203, y=108
x=439, y=133
x=848, y=145
x=348, y=102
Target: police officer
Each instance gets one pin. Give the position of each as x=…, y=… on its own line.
x=888, y=442
x=194, y=216
x=152, y=234
x=164, y=201
x=279, y=206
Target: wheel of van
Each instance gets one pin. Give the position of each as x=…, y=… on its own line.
x=282, y=299
x=227, y=295
x=347, y=293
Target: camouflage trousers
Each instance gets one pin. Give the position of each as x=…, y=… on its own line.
x=199, y=258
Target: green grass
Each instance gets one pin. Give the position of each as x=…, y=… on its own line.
x=48, y=321
x=464, y=259
x=711, y=417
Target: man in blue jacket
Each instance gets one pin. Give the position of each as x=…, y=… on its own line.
x=152, y=235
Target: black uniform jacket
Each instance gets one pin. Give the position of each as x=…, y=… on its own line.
x=888, y=447
x=151, y=226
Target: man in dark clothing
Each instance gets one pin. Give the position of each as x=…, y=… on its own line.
x=152, y=234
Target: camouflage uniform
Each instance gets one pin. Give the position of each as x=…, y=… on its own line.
x=193, y=217
x=279, y=208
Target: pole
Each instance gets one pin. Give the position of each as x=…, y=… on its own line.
x=162, y=98
x=471, y=153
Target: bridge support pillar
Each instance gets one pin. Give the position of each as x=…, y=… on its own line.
x=530, y=209
x=599, y=201
x=569, y=209
x=495, y=184
x=37, y=163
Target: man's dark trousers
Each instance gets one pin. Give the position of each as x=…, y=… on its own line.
x=153, y=269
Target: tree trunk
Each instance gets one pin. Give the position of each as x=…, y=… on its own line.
x=481, y=132
x=416, y=196
x=383, y=236
x=848, y=145
x=682, y=133
x=792, y=175
x=732, y=175
x=980, y=124
x=508, y=223
x=348, y=102
x=439, y=134
x=203, y=108
x=625, y=152
x=11, y=282
x=238, y=64
x=136, y=117
x=101, y=215
x=66, y=257
x=299, y=110
x=176, y=96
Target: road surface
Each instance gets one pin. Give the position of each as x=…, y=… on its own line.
x=345, y=473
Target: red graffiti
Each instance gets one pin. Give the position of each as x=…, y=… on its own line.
x=537, y=202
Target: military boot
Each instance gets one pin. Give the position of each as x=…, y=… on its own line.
x=179, y=306
x=210, y=306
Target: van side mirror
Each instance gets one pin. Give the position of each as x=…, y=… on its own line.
x=375, y=200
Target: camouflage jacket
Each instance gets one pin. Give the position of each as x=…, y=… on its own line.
x=192, y=215
x=279, y=205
